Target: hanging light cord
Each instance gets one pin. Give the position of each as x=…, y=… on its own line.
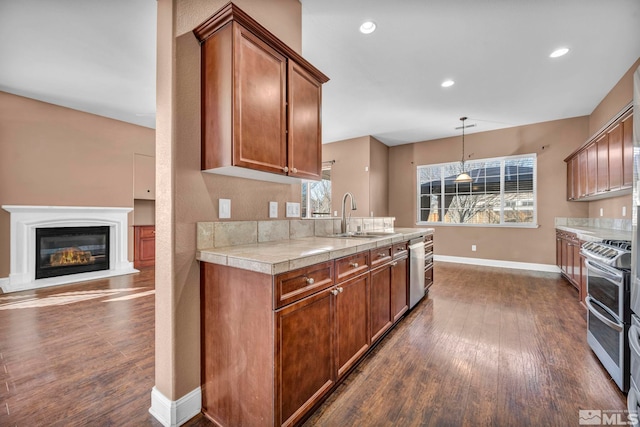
x=463, y=119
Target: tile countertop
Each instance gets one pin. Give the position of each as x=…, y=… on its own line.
x=286, y=255
x=592, y=234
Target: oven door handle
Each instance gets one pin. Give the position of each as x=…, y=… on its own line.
x=632, y=401
x=634, y=339
x=605, y=273
x=613, y=325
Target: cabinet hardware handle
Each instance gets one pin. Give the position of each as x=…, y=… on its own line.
x=295, y=170
x=310, y=280
x=382, y=254
x=148, y=191
x=394, y=264
x=285, y=169
x=400, y=249
x=340, y=289
x=334, y=292
x=354, y=264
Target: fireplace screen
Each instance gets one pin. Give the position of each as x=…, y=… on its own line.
x=71, y=250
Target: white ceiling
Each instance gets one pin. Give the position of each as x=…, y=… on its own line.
x=99, y=56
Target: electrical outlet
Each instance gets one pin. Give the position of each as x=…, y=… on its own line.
x=601, y=212
x=273, y=209
x=473, y=248
x=293, y=210
x=224, y=208
x=624, y=211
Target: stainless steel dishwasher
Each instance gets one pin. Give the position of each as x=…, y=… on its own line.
x=416, y=271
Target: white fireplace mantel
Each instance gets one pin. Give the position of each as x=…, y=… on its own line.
x=26, y=219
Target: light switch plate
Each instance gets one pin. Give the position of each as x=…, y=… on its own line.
x=273, y=209
x=293, y=210
x=224, y=208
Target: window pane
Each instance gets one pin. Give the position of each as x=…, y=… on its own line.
x=507, y=182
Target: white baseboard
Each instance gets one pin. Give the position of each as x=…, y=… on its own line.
x=498, y=263
x=175, y=413
x=4, y=284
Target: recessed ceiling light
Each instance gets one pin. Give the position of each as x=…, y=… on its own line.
x=368, y=27
x=447, y=83
x=559, y=52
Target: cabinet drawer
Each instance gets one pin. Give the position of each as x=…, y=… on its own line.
x=296, y=284
x=380, y=255
x=400, y=249
x=147, y=231
x=351, y=266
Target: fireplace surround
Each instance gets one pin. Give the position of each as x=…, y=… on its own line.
x=25, y=221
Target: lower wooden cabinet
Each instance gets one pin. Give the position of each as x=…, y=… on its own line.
x=381, y=319
x=144, y=246
x=273, y=347
x=399, y=294
x=570, y=261
x=352, y=322
x=305, y=355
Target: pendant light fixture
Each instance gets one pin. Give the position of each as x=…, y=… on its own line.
x=463, y=177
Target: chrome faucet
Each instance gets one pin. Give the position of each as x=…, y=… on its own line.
x=343, y=224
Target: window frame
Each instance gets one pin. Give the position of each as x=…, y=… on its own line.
x=502, y=224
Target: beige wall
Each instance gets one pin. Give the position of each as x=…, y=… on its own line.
x=611, y=208
x=535, y=245
x=379, y=179
x=362, y=168
x=348, y=173
x=51, y=155
x=184, y=194
x=618, y=97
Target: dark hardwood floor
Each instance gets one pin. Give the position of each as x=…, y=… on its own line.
x=489, y=347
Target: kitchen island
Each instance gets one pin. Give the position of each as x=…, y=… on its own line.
x=283, y=322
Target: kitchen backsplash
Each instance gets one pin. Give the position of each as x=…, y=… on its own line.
x=232, y=233
x=608, y=223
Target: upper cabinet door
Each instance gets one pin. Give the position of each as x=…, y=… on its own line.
x=602, y=147
x=304, y=139
x=627, y=151
x=615, y=157
x=259, y=114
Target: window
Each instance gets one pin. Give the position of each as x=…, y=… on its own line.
x=502, y=192
x=316, y=196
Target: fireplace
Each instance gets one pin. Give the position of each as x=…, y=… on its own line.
x=55, y=245
x=71, y=250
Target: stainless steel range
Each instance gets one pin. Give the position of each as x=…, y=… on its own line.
x=608, y=265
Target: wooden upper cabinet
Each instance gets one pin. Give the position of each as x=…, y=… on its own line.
x=592, y=169
x=627, y=151
x=305, y=140
x=583, y=168
x=615, y=157
x=603, y=166
x=602, y=179
x=260, y=102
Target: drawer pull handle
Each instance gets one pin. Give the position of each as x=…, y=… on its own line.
x=354, y=264
x=394, y=264
x=310, y=280
x=340, y=289
x=334, y=292
x=400, y=249
x=285, y=169
x=382, y=254
x=295, y=170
